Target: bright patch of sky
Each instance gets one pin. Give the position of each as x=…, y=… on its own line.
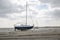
x=42, y=7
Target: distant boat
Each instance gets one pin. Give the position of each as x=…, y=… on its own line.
x=22, y=26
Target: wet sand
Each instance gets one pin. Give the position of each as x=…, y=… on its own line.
x=42, y=34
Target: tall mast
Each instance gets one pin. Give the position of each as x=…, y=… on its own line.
x=26, y=13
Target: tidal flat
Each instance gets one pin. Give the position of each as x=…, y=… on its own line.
x=33, y=34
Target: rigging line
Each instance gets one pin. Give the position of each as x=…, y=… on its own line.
x=27, y=15
x=32, y=19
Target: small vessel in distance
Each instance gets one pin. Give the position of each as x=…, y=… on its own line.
x=23, y=27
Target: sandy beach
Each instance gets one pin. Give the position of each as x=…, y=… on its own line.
x=35, y=34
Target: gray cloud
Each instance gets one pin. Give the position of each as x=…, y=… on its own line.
x=54, y=14
x=54, y=3
x=6, y=7
x=3, y=16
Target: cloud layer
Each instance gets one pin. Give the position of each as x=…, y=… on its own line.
x=54, y=3
x=6, y=7
x=46, y=12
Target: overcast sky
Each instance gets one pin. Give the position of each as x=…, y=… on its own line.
x=42, y=12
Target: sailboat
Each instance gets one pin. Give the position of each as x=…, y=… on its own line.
x=22, y=26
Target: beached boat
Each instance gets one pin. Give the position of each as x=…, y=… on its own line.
x=22, y=26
